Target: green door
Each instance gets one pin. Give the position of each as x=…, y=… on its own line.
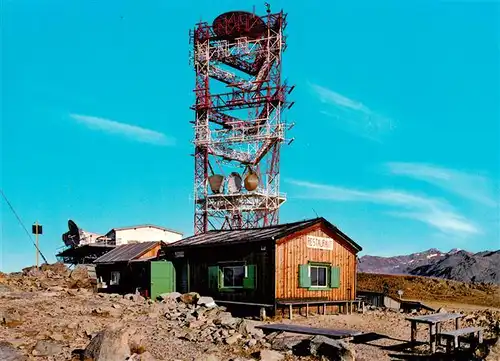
x=162, y=278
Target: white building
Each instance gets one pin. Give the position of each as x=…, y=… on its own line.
x=142, y=233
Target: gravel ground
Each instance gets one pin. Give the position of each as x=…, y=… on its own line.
x=70, y=318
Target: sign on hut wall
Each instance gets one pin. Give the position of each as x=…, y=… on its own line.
x=320, y=243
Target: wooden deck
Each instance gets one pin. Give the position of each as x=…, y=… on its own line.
x=347, y=305
x=306, y=330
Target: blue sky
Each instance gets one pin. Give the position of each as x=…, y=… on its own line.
x=397, y=119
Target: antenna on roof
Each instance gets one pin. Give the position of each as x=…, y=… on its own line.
x=317, y=216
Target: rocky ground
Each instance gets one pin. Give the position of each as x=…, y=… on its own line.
x=53, y=314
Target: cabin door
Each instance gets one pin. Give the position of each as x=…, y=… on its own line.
x=162, y=278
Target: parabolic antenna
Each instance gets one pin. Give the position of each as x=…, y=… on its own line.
x=216, y=182
x=72, y=237
x=234, y=183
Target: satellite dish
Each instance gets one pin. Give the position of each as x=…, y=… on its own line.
x=234, y=183
x=72, y=237
x=216, y=183
x=251, y=181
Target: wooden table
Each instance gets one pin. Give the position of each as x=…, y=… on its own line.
x=434, y=321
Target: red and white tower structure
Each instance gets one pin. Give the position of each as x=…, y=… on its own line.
x=239, y=125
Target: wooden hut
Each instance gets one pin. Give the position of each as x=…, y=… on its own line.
x=304, y=263
x=135, y=268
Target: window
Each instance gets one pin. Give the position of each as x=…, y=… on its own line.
x=318, y=276
x=314, y=275
x=226, y=277
x=115, y=278
x=233, y=276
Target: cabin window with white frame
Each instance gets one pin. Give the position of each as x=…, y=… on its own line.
x=233, y=276
x=115, y=278
x=318, y=276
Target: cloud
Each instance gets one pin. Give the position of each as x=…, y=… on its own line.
x=434, y=212
x=471, y=186
x=130, y=131
x=353, y=116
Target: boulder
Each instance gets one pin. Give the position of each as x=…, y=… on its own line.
x=189, y=298
x=494, y=352
x=231, y=340
x=10, y=318
x=270, y=355
x=47, y=348
x=248, y=329
x=9, y=353
x=326, y=348
x=169, y=296
x=206, y=302
x=110, y=344
x=145, y=356
x=441, y=310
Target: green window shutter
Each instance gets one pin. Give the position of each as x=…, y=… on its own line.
x=213, y=277
x=335, y=277
x=249, y=282
x=304, y=277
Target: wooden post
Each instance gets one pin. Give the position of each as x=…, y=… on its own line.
x=290, y=310
x=307, y=310
x=457, y=323
x=263, y=313
x=432, y=337
x=36, y=237
x=413, y=333
x=324, y=308
x=480, y=336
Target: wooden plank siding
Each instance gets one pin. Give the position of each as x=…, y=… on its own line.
x=293, y=251
x=151, y=253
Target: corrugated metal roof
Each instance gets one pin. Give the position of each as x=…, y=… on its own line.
x=126, y=252
x=256, y=234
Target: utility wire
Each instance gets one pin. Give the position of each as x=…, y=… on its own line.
x=22, y=224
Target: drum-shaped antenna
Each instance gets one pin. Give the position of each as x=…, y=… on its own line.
x=216, y=183
x=251, y=181
x=234, y=183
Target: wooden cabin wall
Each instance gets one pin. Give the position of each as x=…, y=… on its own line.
x=198, y=259
x=292, y=252
x=151, y=253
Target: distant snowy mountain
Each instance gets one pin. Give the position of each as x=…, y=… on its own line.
x=456, y=264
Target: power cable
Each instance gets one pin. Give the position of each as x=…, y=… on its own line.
x=22, y=224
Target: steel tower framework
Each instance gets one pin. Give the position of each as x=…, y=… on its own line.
x=238, y=126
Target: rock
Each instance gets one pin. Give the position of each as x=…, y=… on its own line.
x=10, y=318
x=252, y=342
x=333, y=350
x=270, y=355
x=247, y=328
x=494, y=352
x=145, y=356
x=110, y=344
x=9, y=353
x=189, y=298
x=225, y=319
x=169, y=296
x=286, y=343
x=441, y=310
x=231, y=340
x=46, y=348
x=208, y=358
x=206, y=302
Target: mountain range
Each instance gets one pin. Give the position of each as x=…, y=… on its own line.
x=459, y=265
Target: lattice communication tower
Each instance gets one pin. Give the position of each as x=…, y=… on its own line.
x=239, y=126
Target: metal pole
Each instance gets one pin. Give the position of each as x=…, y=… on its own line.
x=36, y=237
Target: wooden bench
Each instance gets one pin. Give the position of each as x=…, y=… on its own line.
x=307, y=330
x=453, y=336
